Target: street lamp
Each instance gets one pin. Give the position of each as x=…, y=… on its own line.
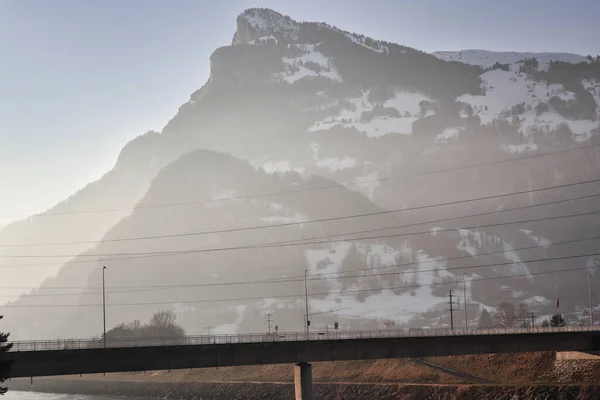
x=306, y=300
x=104, y=305
x=465, y=299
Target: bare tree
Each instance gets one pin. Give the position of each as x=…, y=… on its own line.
x=523, y=315
x=505, y=314
x=163, y=319
x=134, y=325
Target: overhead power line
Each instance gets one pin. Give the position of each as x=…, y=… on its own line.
x=321, y=278
x=294, y=277
x=416, y=286
x=424, y=173
x=486, y=213
x=300, y=223
x=299, y=241
x=303, y=242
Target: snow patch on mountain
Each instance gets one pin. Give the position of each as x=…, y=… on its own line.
x=264, y=40
x=549, y=121
x=517, y=149
x=486, y=59
x=386, y=304
x=431, y=268
x=382, y=305
x=510, y=254
x=537, y=301
x=327, y=259
x=310, y=64
x=361, y=115
x=505, y=89
x=228, y=195
x=469, y=241
x=337, y=164
x=447, y=135
x=281, y=166
x=592, y=86
x=282, y=219
x=367, y=43
x=472, y=241
x=378, y=255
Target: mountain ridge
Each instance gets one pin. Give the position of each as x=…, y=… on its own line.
x=487, y=58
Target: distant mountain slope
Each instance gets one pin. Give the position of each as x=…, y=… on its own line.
x=486, y=59
x=387, y=279
x=86, y=215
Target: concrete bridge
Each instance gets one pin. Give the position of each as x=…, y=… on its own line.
x=70, y=357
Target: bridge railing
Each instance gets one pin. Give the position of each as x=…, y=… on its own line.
x=80, y=344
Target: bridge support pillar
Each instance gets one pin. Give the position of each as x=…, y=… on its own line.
x=303, y=381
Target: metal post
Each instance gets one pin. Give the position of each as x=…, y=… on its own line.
x=451, y=313
x=306, y=301
x=465, y=300
x=104, y=305
x=590, y=299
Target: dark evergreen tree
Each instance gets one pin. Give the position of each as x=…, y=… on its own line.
x=4, y=365
x=485, y=320
x=557, y=320
x=545, y=324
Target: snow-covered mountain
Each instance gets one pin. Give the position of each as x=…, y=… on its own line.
x=305, y=105
x=486, y=59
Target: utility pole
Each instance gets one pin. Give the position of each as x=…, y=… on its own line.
x=306, y=301
x=451, y=312
x=269, y=320
x=104, y=305
x=532, y=320
x=590, y=299
x=209, y=329
x=465, y=300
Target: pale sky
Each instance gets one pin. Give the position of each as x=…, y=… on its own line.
x=80, y=78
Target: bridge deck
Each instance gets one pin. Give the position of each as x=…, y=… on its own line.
x=83, y=344
x=183, y=355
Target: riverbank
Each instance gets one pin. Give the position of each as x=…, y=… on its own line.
x=324, y=391
x=522, y=376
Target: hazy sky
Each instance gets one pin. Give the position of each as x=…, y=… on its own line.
x=79, y=78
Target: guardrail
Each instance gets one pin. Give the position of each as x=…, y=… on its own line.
x=80, y=344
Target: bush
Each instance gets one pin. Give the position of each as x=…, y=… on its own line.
x=161, y=325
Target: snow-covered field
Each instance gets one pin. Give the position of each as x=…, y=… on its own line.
x=507, y=89
x=406, y=104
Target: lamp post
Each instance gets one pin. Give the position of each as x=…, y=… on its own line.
x=306, y=300
x=465, y=299
x=104, y=305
